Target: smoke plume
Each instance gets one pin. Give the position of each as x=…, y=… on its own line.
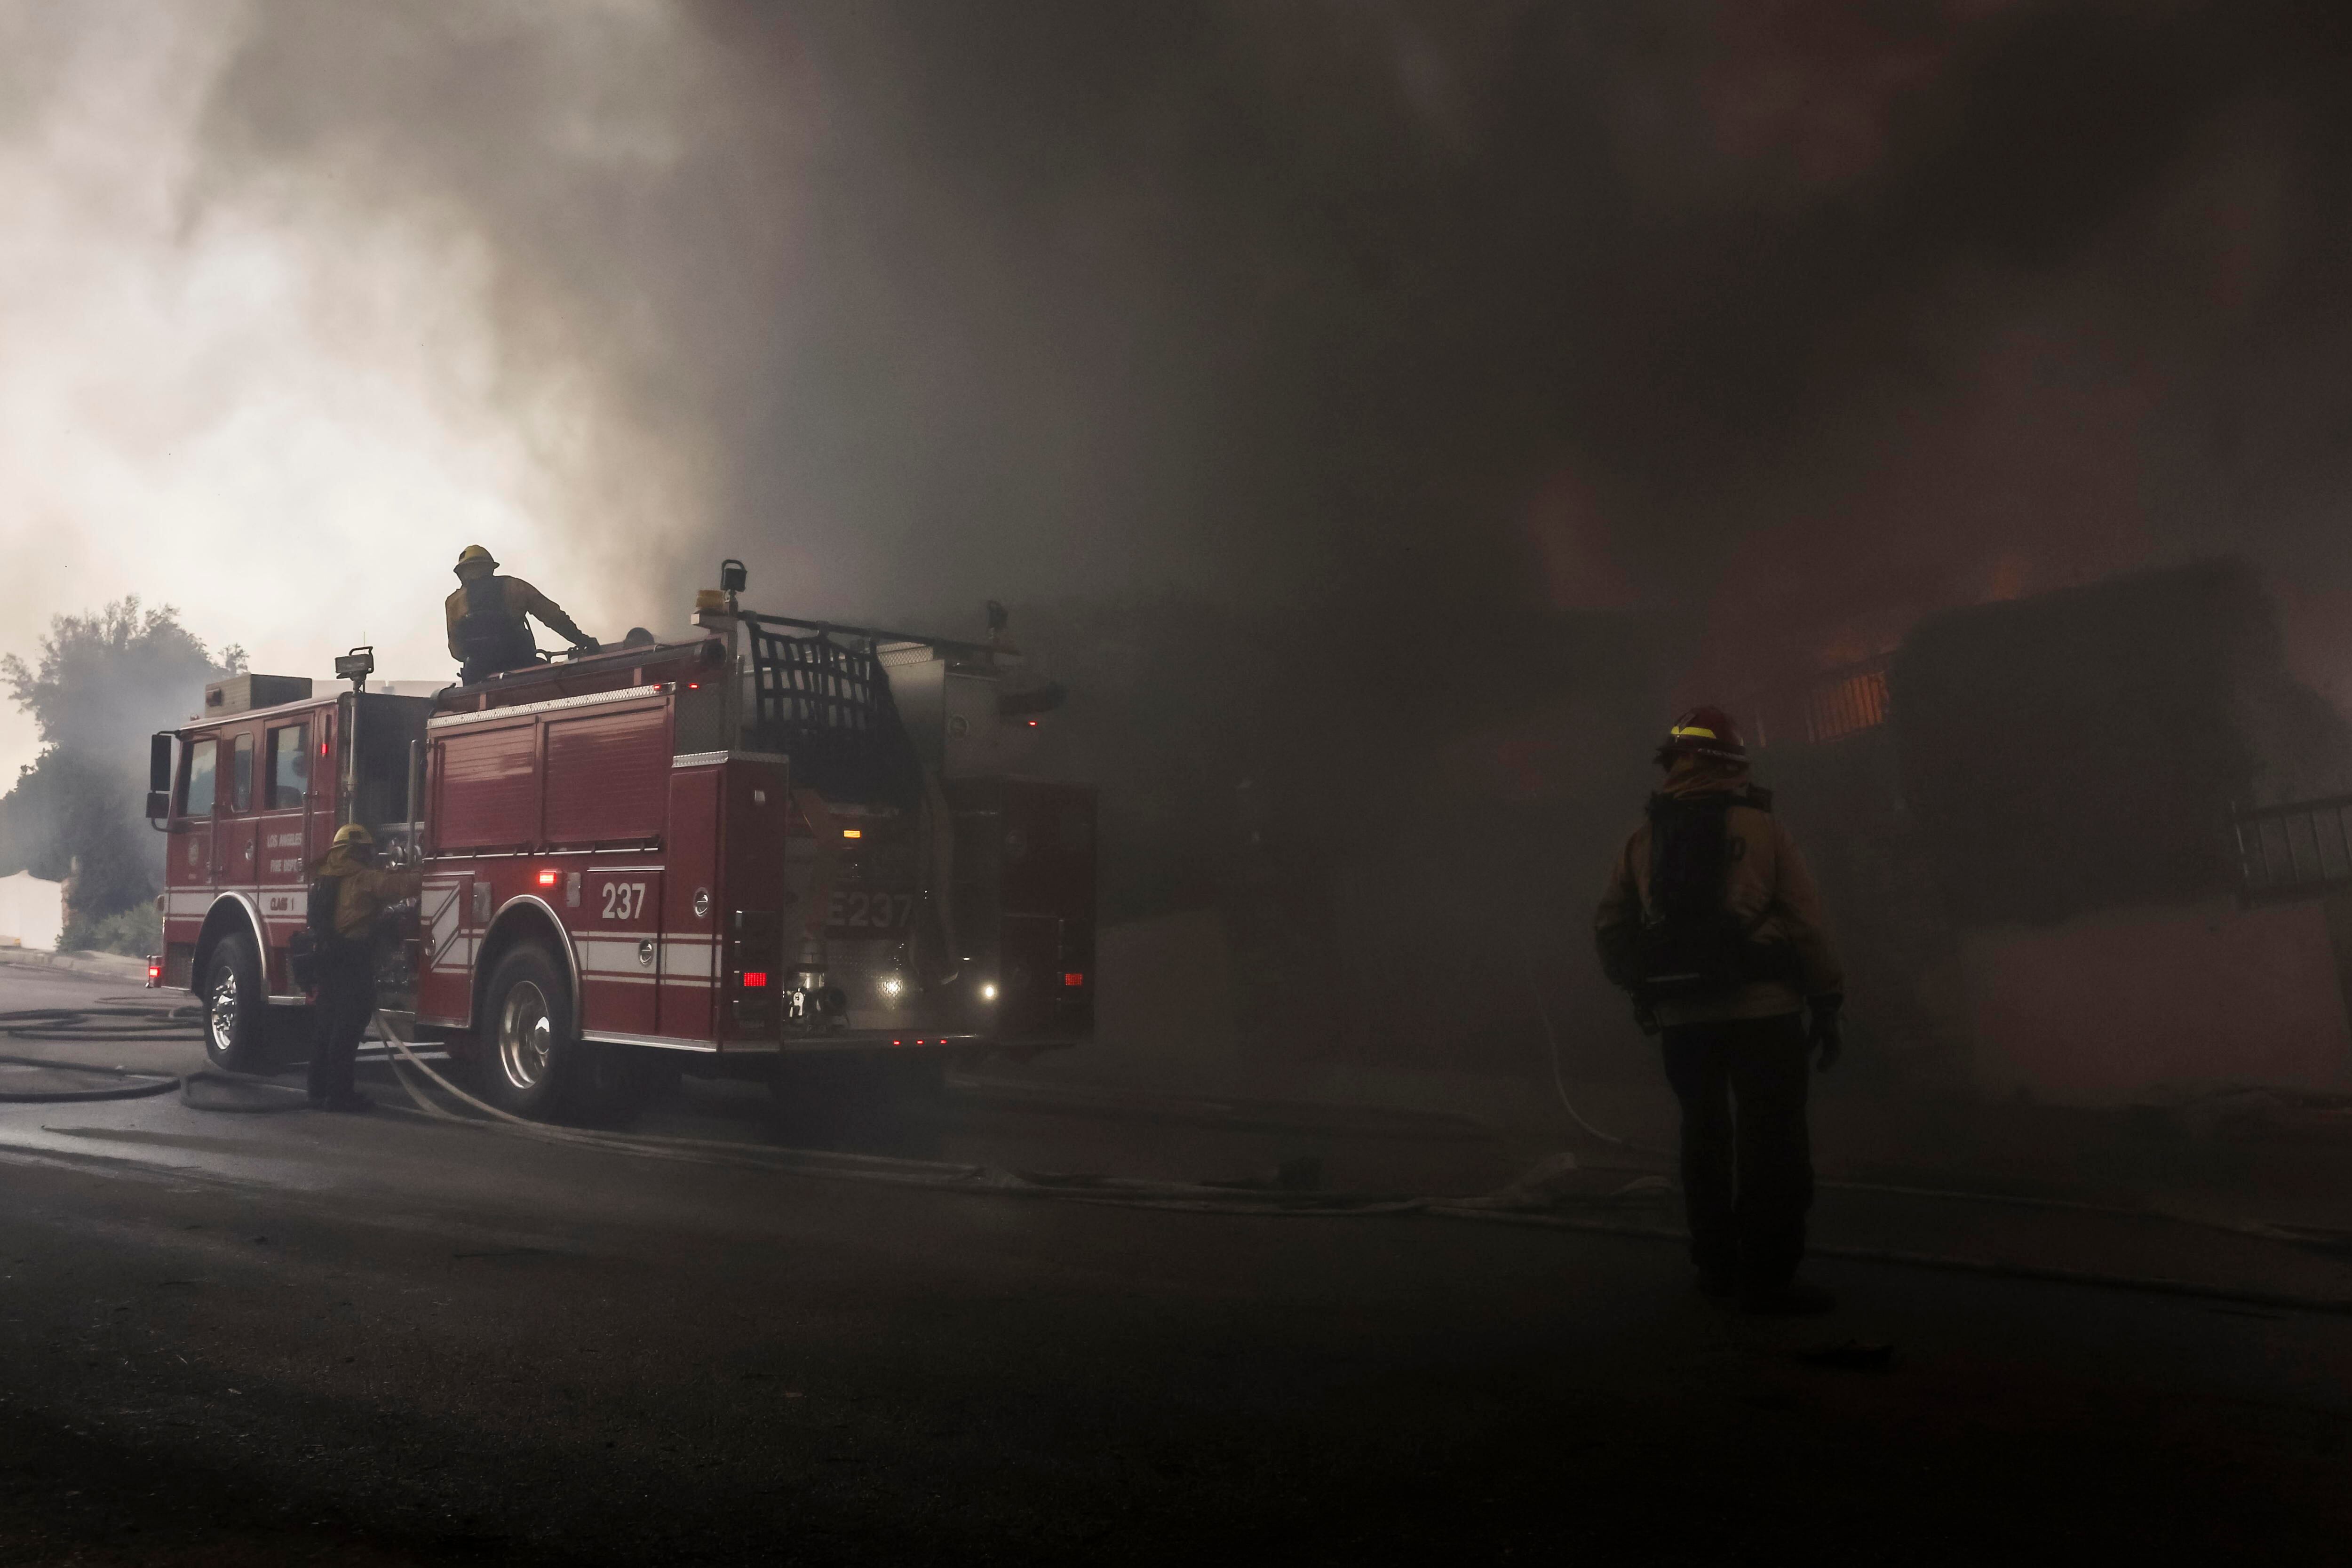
x=1807, y=315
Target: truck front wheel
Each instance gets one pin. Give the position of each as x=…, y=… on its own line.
x=237, y=1008
x=528, y=1049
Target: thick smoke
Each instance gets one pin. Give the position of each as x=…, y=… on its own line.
x=1466, y=373
x=1816, y=315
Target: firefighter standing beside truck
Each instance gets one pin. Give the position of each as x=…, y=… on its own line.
x=1711, y=920
x=347, y=893
x=489, y=616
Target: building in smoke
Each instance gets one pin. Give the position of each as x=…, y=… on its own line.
x=2029, y=819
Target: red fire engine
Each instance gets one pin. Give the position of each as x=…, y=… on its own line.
x=780, y=838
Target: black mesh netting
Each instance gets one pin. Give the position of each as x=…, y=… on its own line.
x=827, y=705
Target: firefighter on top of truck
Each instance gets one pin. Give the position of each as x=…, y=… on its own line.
x=1712, y=921
x=490, y=631
x=347, y=894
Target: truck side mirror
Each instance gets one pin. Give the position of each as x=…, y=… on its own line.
x=158, y=775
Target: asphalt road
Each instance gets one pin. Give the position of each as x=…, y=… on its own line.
x=288, y=1337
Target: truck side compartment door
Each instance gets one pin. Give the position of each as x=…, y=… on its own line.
x=606, y=797
x=690, y=934
x=616, y=931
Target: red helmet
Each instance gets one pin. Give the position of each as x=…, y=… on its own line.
x=1703, y=733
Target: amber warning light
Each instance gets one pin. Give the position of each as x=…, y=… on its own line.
x=853, y=833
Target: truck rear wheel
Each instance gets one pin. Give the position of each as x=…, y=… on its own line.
x=237, y=1008
x=528, y=1047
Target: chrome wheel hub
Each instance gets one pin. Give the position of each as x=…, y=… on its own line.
x=526, y=1036
x=220, y=1014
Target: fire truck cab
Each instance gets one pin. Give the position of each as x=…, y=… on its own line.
x=777, y=838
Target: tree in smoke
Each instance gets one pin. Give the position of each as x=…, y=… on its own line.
x=105, y=682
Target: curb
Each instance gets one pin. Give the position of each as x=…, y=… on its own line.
x=110, y=965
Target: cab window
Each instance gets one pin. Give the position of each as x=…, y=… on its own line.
x=197, y=799
x=290, y=766
x=240, y=774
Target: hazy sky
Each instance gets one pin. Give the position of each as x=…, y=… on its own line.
x=283, y=411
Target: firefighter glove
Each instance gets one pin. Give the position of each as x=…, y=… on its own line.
x=1826, y=1033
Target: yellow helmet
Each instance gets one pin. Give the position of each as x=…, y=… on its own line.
x=354, y=833
x=474, y=559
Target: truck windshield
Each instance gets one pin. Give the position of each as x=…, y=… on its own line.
x=198, y=799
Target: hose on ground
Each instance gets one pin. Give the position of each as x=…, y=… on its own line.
x=2309, y=1237
x=103, y=1023
x=253, y=1096
x=66, y=1025
x=1560, y=1082
x=2138, y=1284
x=232, y=1094
x=131, y=1084
x=1194, y=1197
x=1114, y=1190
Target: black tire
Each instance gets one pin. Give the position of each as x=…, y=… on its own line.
x=236, y=1001
x=527, y=1047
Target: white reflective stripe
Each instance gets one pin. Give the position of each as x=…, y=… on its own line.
x=712, y=759
x=658, y=1042
x=457, y=959
x=611, y=954
x=689, y=959
x=441, y=924
x=450, y=721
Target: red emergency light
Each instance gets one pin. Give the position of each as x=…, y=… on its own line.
x=154, y=972
x=754, y=977
x=547, y=879
x=1074, y=978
